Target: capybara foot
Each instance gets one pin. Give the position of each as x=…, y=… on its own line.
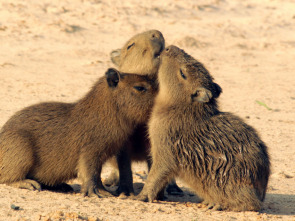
x=104, y=193
x=205, y=202
x=173, y=189
x=141, y=197
x=91, y=191
x=113, y=179
x=63, y=187
x=214, y=207
x=27, y=184
x=127, y=190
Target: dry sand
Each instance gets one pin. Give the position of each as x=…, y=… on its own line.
x=54, y=50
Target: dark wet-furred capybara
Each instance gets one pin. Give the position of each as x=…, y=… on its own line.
x=51, y=143
x=216, y=153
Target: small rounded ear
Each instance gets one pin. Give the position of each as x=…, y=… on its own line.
x=116, y=57
x=113, y=77
x=202, y=95
x=216, y=90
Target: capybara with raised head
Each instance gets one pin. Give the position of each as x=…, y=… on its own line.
x=51, y=143
x=217, y=154
x=140, y=55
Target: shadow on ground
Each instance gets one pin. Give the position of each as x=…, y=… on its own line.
x=279, y=204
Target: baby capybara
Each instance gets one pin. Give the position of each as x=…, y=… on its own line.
x=51, y=143
x=140, y=55
x=217, y=154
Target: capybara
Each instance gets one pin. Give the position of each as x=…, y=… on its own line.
x=217, y=154
x=140, y=55
x=51, y=143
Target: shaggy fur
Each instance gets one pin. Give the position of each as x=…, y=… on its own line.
x=218, y=155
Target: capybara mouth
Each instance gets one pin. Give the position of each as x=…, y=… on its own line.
x=158, y=53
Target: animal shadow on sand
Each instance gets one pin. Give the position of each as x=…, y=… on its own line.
x=279, y=204
x=186, y=196
x=274, y=204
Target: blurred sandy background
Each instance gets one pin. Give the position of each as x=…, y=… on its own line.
x=55, y=50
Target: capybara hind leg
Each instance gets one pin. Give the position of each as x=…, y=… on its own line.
x=16, y=157
x=26, y=184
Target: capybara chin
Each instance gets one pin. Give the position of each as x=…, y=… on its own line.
x=218, y=155
x=50, y=143
x=141, y=54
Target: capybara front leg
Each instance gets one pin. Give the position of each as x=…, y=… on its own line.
x=158, y=177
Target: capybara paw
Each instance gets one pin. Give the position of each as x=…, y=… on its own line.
x=214, y=207
x=104, y=193
x=173, y=189
x=27, y=184
x=124, y=196
x=140, y=197
x=98, y=193
x=125, y=189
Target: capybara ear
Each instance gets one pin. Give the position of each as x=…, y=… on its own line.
x=216, y=90
x=113, y=77
x=116, y=57
x=202, y=95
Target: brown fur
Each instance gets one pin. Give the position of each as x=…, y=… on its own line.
x=139, y=55
x=50, y=143
x=217, y=154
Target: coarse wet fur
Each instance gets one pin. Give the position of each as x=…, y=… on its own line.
x=140, y=55
x=50, y=143
x=217, y=154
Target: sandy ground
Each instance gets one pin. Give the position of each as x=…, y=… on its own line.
x=54, y=50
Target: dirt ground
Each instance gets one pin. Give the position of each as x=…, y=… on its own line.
x=54, y=50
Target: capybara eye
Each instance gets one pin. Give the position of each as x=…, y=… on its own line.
x=129, y=46
x=182, y=74
x=139, y=88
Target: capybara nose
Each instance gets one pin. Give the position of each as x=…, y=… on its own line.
x=155, y=34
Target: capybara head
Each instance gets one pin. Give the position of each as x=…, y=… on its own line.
x=184, y=78
x=141, y=54
x=134, y=94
